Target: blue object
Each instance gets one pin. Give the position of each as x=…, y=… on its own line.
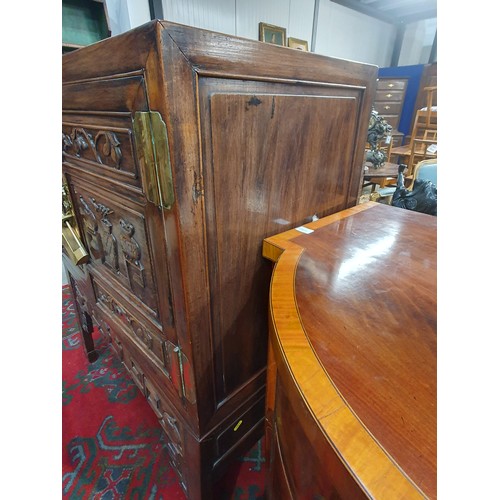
x=428, y=172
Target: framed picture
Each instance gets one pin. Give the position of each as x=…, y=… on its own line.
x=295, y=43
x=272, y=34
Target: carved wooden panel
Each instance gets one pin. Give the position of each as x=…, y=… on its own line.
x=146, y=336
x=116, y=237
x=101, y=144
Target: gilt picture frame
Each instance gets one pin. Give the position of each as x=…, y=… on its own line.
x=272, y=34
x=296, y=43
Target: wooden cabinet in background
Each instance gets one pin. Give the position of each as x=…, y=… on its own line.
x=182, y=150
x=389, y=100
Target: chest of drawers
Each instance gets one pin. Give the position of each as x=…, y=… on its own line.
x=182, y=150
x=389, y=100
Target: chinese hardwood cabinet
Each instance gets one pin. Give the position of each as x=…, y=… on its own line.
x=182, y=150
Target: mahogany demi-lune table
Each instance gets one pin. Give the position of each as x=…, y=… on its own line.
x=351, y=393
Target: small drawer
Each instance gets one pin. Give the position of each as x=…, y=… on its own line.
x=391, y=84
x=389, y=95
x=239, y=427
x=388, y=108
x=97, y=134
x=102, y=147
x=136, y=329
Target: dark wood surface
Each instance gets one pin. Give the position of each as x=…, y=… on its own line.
x=386, y=170
x=389, y=100
x=259, y=138
x=363, y=289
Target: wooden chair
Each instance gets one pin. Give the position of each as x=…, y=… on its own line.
x=423, y=138
x=383, y=177
x=422, y=149
x=427, y=170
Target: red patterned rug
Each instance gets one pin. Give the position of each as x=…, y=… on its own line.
x=113, y=445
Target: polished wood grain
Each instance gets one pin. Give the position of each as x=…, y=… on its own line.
x=382, y=176
x=259, y=138
x=353, y=332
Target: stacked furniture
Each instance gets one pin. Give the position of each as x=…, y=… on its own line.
x=182, y=150
x=417, y=77
x=389, y=100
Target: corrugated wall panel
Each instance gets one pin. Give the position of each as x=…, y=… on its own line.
x=250, y=13
x=301, y=20
x=214, y=15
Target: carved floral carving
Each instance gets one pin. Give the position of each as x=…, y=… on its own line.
x=104, y=147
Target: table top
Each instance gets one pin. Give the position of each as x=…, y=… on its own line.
x=386, y=170
x=401, y=150
x=353, y=305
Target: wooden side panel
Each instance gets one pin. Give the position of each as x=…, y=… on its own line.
x=275, y=155
x=241, y=117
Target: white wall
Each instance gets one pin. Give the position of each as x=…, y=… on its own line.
x=242, y=17
x=215, y=15
x=127, y=14
x=341, y=32
x=249, y=14
x=417, y=42
x=348, y=34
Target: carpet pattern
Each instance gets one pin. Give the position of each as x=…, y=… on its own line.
x=113, y=446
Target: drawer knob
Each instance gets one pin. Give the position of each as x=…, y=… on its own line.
x=390, y=85
x=388, y=95
x=387, y=107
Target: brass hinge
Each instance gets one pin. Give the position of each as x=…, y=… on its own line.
x=151, y=141
x=181, y=373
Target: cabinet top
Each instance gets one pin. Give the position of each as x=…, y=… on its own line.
x=209, y=53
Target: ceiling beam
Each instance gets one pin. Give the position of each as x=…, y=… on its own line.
x=412, y=18
x=380, y=11
x=365, y=9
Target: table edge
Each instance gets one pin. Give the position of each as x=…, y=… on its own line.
x=367, y=461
